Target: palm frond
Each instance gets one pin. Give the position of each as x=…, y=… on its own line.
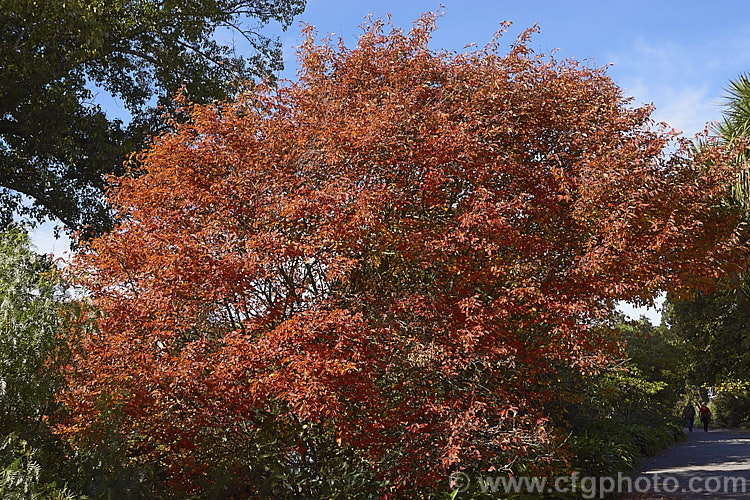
x=736, y=121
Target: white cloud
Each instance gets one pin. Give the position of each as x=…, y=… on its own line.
x=685, y=83
x=685, y=107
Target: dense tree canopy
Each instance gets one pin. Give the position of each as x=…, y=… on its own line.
x=384, y=263
x=30, y=292
x=31, y=289
x=55, y=143
x=714, y=333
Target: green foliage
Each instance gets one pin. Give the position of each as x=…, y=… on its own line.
x=30, y=293
x=652, y=440
x=606, y=447
x=31, y=457
x=34, y=462
x=21, y=475
x=643, y=386
x=55, y=145
x=288, y=461
x=713, y=333
x=730, y=407
x=279, y=462
x=650, y=386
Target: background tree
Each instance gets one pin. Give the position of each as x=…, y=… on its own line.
x=644, y=385
x=383, y=265
x=712, y=331
x=56, y=144
x=31, y=289
x=714, y=334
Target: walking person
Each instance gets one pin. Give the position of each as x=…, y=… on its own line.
x=705, y=415
x=688, y=415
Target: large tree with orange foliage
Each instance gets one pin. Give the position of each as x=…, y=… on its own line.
x=382, y=264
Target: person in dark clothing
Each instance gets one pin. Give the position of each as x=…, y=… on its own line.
x=705, y=415
x=688, y=415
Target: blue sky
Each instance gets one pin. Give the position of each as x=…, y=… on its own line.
x=678, y=55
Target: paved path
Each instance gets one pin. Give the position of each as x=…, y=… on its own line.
x=714, y=464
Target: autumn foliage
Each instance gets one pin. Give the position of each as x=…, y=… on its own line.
x=383, y=263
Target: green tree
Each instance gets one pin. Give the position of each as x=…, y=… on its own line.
x=30, y=293
x=55, y=143
x=30, y=299
x=642, y=384
x=649, y=384
x=713, y=334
